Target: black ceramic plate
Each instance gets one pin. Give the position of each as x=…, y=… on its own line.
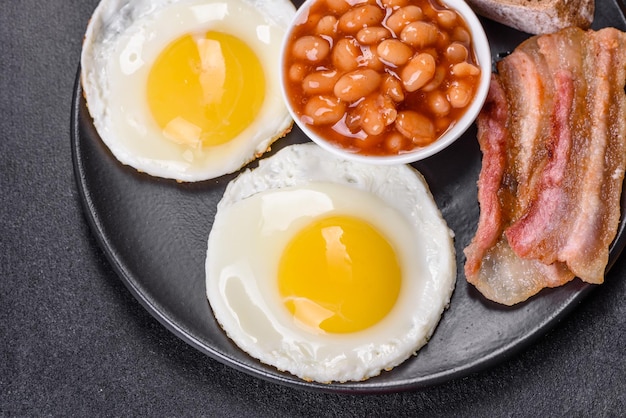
x=154, y=232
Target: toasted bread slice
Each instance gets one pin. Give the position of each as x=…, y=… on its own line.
x=537, y=16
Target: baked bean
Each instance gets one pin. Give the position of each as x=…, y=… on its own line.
x=377, y=112
x=360, y=2
x=438, y=103
x=366, y=141
x=370, y=59
x=372, y=122
x=442, y=123
x=443, y=40
x=440, y=75
x=387, y=108
x=327, y=26
x=415, y=126
x=355, y=19
x=372, y=35
x=461, y=35
x=456, y=52
x=464, y=69
x=313, y=18
x=338, y=6
x=297, y=72
x=392, y=87
x=345, y=54
x=431, y=51
x=320, y=82
x=380, y=76
x=357, y=84
x=324, y=110
x=429, y=12
x=311, y=48
x=353, y=119
x=418, y=72
x=395, y=142
x=420, y=34
x=459, y=94
x=446, y=18
x=395, y=4
x=402, y=17
x=394, y=52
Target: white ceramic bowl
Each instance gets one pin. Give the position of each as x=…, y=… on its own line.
x=483, y=54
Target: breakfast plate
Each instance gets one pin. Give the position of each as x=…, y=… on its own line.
x=154, y=233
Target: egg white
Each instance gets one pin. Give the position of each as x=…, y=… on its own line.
x=260, y=212
x=123, y=39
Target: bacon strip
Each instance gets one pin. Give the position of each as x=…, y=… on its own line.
x=553, y=137
x=521, y=76
x=532, y=235
x=491, y=265
x=493, y=146
x=586, y=250
x=548, y=213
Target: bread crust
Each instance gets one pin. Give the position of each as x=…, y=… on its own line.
x=537, y=16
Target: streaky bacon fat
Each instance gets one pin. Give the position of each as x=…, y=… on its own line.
x=553, y=137
x=492, y=142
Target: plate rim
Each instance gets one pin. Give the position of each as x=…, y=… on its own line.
x=258, y=370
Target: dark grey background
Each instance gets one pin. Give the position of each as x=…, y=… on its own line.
x=73, y=341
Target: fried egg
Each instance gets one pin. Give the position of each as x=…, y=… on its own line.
x=329, y=269
x=186, y=89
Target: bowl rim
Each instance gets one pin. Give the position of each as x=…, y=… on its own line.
x=482, y=51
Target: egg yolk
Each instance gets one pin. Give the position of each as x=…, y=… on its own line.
x=205, y=90
x=339, y=275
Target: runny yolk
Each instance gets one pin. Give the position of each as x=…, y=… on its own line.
x=339, y=275
x=205, y=90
